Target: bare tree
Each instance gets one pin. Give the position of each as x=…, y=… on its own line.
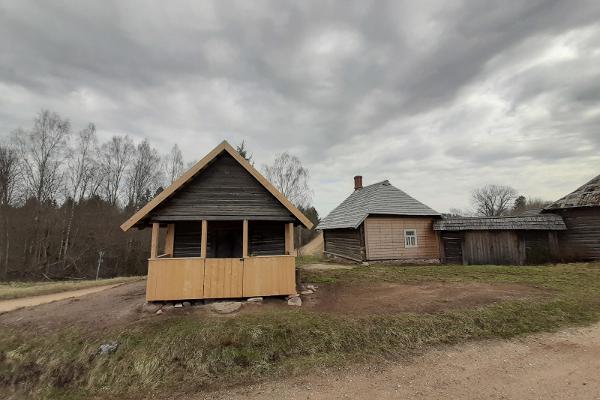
x=41, y=151
x=289, y=176
x=173, y=164
x=115, y=157
x=144, y=175
x=81, y=162
x=493, y=200
x=8, y=181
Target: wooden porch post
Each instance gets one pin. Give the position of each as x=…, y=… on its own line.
x=289, y=238
x=170, y=240
x=204, y=238
x=154, y=242
x=245, y=239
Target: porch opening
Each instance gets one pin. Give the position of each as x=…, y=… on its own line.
x=224, y=239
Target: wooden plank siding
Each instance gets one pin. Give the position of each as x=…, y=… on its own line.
x=493, y=247
x=200, y=278
x=269, y=276
x=223, y=191
x=347, y=243
x=266, y=238
x=385, y=238
x=581, y=240
x=223, y=278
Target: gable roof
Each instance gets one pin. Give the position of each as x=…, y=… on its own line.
x=378, y=198
x=587, y=195
x=549, y=222
x=198, y=168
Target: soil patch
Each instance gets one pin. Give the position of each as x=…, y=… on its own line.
x=385, y=298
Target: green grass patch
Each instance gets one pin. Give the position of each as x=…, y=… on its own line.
x=189, y=353
x=16, y=290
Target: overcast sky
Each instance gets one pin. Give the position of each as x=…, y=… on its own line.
x=438, y=97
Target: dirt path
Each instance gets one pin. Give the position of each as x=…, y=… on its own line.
x=563, y=365
x=14, y=304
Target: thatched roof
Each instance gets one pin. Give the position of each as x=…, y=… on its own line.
x=587, y=195
x=379, y=198
x=547, y=222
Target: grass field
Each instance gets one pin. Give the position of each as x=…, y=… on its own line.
x=187, y=354
x=16, y=290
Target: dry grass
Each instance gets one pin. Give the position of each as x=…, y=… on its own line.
x=188, y=354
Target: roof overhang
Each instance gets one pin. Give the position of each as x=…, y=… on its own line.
x=199, y=167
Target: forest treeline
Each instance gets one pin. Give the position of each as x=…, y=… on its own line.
x=64, y=194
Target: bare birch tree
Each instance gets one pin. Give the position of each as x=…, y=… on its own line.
x=289, y=176
x=143, y=176
x=41, y=151
x=493, y=200
x=115, y=157
x=173, y=164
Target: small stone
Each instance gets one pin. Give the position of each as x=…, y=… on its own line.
x=226, y=307
x=312, y=287
x=159, y=312
x=108, y=348
x=306, y=292
x=178, y=305
x=150, y=308
x=294, y=301
x=187, y=304
x=255, y=300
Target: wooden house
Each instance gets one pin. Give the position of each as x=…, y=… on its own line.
x=229, y=233
x=380, y=222
x=527, y=239
x=581, y=212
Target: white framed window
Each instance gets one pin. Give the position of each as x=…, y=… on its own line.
x=410, y=238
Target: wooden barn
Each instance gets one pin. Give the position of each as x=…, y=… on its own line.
x=519, y=240
x=380, y=222
x=228, y=233
x=581, y=212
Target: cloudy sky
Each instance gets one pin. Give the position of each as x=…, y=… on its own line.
x=438, y=97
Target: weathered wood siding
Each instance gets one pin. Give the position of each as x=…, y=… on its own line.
x=385, y=238
x=224, y=239
x=188, y=239
x=347, y=243
x=451, y=247
x=493, y=247
x=223, y=191
x=581, y=240
x=266, y=238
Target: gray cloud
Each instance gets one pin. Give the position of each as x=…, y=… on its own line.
x=436, y=97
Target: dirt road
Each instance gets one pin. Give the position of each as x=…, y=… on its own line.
x=563, y=365
x=10, y=305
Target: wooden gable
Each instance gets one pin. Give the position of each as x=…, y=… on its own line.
x=224, y=190
x=254, y=204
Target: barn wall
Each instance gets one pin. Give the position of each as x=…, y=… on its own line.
x=385, y=238
x=493, y=247
x=345, y=242
x=266, y=238
x=581, y=240
x=188, y=236
x=223, y=191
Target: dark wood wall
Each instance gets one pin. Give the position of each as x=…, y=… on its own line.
x=266, y=238
x=188, y=237
x=508, y=247
x=347, y=243
x=223, y=191
x=581, y=240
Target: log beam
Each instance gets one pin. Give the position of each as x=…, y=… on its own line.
x=204, y=238
x=154, y=242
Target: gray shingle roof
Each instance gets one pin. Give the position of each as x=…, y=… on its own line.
x=587, y=195
x=378, y=198
x=549, y=222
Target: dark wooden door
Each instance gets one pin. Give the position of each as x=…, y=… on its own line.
x=453, y=250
